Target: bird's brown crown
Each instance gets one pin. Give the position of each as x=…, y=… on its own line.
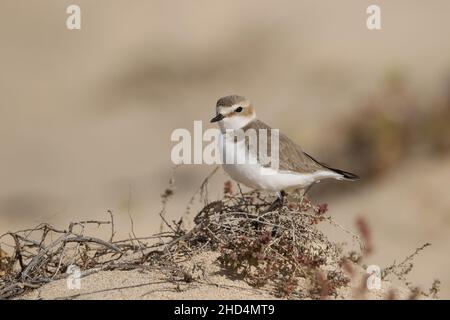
x=229, y=101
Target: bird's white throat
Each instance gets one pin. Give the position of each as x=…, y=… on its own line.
x=236, y=122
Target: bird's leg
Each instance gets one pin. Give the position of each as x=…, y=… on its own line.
x=242, y=194
x=278, y=201
x=281, y=195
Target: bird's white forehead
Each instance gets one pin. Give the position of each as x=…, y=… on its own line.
x=226, y=110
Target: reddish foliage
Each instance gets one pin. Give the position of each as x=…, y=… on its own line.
x=366, y=235
x=322, y=208
x=228, y=188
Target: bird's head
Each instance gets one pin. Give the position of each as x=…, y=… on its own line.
x=234, y=112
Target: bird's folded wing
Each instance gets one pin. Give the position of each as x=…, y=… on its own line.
x=291, y=156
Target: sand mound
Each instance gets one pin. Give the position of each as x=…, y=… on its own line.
x=213, y=282
x=239, y=248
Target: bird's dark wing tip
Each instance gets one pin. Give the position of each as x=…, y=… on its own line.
x=346, y=175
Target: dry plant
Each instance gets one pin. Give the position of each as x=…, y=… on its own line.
x=44, y=254
x=282, y=250
x=401, y=271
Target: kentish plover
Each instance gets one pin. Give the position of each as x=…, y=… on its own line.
x=296, y=169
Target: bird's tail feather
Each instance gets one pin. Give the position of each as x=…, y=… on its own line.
x=346, y=175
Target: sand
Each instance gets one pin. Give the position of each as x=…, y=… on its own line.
x=213, y=283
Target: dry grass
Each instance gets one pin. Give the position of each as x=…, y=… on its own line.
x=281, y=250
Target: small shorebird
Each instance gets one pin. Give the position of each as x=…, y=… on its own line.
x=296, y=169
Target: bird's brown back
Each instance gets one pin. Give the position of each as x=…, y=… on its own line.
x=291, y=156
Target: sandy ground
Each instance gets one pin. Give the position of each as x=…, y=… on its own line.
x=213, y=283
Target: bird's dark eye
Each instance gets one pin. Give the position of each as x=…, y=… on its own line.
x=238, y=109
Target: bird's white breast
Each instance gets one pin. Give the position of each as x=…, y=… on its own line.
x=243, y=167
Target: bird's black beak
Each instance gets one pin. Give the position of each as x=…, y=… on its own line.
x=217, y=118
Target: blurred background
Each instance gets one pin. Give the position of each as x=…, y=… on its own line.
x=86, y=116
